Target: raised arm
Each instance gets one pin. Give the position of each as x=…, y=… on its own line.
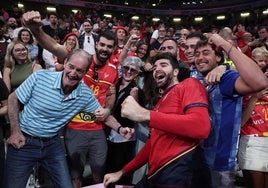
x=133, y=39
x=32, y=20
x=247, y=111
x=251, y=77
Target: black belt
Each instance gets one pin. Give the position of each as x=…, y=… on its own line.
x=44, y=139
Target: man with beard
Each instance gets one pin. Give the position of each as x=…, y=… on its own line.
x=11, y=26
x=170, y=45
x=178, y=122
x=102, y=75
x=87, y=39
x=154, y=46
x=215, y=74
x=53, y=29
x=225, y=104
x=85, y=136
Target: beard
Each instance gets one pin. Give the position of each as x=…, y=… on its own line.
x=13, y=26
x=100, y=58
x=166, y=83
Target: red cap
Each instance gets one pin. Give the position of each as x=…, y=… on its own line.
x=67, y=36
x=121, y=27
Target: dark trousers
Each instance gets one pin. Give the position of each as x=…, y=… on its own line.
x=188, y=171
x=50, y=155
x=119, y=154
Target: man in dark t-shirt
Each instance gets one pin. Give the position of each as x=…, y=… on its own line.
x=53, y=29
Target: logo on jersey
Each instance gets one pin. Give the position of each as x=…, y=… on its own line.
x=87, y=116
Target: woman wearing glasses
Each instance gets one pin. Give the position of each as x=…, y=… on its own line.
x=18, y=65
x=120, y=150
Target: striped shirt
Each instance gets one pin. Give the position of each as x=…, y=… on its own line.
x=45, y=108
x=225, y=108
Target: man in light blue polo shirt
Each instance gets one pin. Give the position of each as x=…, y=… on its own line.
x=50, y=100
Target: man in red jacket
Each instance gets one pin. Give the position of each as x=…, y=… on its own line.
x=177, y=123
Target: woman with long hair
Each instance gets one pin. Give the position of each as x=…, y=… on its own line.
x=18, y=65
x=26, y=37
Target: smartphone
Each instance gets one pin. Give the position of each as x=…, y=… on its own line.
x=177, y=36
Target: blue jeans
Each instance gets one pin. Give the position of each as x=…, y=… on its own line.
x=49, y=153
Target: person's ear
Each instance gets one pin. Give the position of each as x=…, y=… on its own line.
x=218, y=59
x=176, y=72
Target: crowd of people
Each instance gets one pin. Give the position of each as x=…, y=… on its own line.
x=74, y=92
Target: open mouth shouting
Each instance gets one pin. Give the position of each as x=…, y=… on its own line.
x=160, y=78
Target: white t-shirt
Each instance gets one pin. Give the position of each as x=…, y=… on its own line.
x=155, y=34
x=89, y=45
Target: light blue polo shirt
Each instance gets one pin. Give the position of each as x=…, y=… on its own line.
x=45, y=109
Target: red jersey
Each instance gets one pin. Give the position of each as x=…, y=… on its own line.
x=107, y=76
x=242, y=44
x=114, y=59
x=178, y=122
x=257, y=125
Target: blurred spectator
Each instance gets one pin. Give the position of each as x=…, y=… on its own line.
x=155, y=45
x=75, y=30
x=78, y=17
x=155, y=34
x=49, y=59
x=16, y=13
x=96, y=29
x=45, y=20
x=263, y=38
x=244, y=42
x=53, y=28
x=170, y=32
x=4, y=14
x=181, y=40
x=239, y=30
x=11, y=25
x=26, y=37
x=121, y=34
x=4, y=41
x=87, y=40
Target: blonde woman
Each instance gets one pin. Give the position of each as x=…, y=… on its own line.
x=18, y=65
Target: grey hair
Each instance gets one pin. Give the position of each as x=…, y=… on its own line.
x=133, y=60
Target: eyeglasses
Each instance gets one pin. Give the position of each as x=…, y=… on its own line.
x=132, y=70
x=88, y=39
x=18, y=50
x=96, y=74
